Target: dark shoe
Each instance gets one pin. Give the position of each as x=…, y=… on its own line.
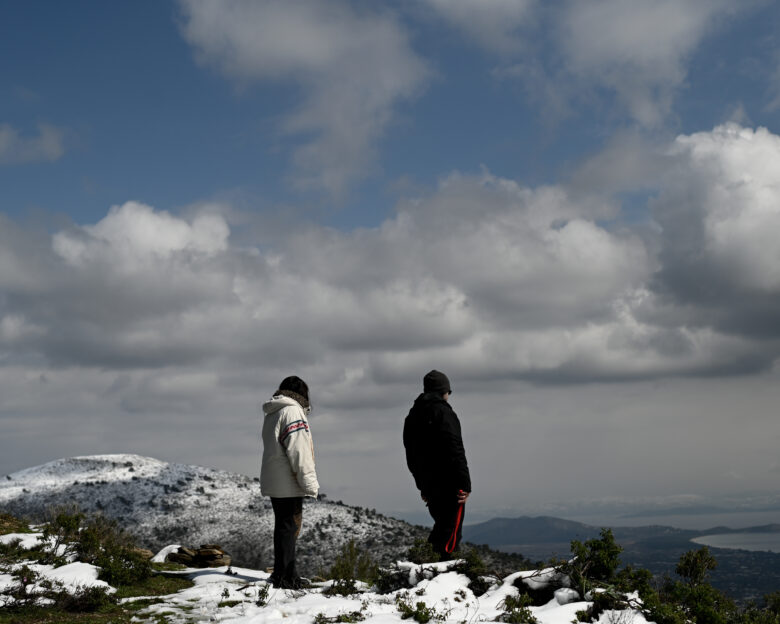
x=297, y=583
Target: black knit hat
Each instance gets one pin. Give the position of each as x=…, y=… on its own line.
x=437, y=382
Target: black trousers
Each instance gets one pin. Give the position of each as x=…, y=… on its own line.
x=288, y=515
x=444, y=511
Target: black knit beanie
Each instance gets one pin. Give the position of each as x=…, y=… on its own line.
x=437, y=382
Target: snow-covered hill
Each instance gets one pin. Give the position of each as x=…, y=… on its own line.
x=162, y=503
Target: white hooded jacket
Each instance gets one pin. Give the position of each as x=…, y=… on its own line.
x=288, y=451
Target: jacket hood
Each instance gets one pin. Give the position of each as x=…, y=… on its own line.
x=430, y=397
x=274, y=404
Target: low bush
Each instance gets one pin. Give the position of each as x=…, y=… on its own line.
x=30, y=590
x=420, y=612
x=773, y=602
x=12, y=524
x=85, y=600
x=352, y=616
x=123, y=567
x=472, y=565
x=61, y=533
x=422, y=551
x=351, y=565
x=12, y=551
x=595, y=562
x=391, y=579
x=516, y=610
x=102, y=543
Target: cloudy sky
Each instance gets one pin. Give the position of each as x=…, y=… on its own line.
x=571, y=208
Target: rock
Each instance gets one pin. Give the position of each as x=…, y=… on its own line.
x=209, y=552
x=143, y=552
x=207, y=556
x=182, y=558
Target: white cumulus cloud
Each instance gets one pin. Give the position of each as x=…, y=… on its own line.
x=736, y=171
x=135, y=232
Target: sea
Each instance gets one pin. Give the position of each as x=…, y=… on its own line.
x=742, y=541
x=737, y=519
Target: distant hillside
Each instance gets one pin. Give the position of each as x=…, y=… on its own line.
x=162, y=503
x=528, y=530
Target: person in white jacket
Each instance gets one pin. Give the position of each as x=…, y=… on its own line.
x=288, y=473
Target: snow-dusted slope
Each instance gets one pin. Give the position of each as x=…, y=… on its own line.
x=162, y=503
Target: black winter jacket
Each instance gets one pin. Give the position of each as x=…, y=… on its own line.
x=434, y=447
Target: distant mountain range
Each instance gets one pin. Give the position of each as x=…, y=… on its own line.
x=162, y=503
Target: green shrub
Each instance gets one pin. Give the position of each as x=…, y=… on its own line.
x=693, y=599
x=639, y=580
x=602, y=601
x=12, y=524
x=695, y=566
x=29, y=589
x=61, y=533
x=516, y=610
x=753, y=615
x=12, y=551
x=103, y=543
x=24, y=578
x=773, y=602
x=123, y=567
x=422, y=551
x=100, y=535
x=391, y=579
x=262, y=595
x=85, y=600
x=421, y=612
x=352, y=616
x=351, y=565
x=594, y=562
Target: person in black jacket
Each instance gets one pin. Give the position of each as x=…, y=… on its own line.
x=437, y=460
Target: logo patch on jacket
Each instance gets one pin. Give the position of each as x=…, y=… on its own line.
x=293, y=427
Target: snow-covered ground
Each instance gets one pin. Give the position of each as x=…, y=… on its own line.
x=244, y=597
